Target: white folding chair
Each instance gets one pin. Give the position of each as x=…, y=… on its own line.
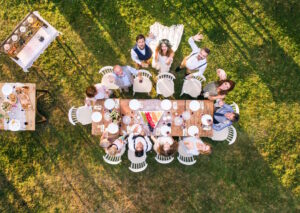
x=114, y=160
x=84, y=115
x=165, y=84
x=72, y=115
x=183, y=157
x=138, y=164
x=163, y=160
x=235, y=107
x=229, y=134
x=145, y=86
x=193, y=86
x=106, y=72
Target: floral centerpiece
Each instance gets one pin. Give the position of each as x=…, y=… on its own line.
x=115, y=116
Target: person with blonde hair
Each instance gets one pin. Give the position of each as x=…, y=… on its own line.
x=163, y=56
x=117, y=146
x=195, y=146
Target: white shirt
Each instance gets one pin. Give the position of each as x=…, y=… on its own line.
x=192, y=62
x=146, y=143
x=135, y=57
x=124, y=78
x=194, y=141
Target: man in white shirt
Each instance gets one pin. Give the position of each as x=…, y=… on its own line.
x=141, y=53
x=196, y=62
x=123, y=76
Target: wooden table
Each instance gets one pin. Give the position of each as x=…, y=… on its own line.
x=99, y=127
x=30, y=89
x=196, y=117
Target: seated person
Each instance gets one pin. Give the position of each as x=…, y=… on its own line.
x=117, y=146
x=218, y=89
x=141, y=53
x=96, y=92
x=165, y=146
x=163, y=56
x=195, y=146
x=224, y=116
x=139, y=144
x=104, y=140
x=123, y=76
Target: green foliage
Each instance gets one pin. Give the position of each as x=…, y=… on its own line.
x=59, y=167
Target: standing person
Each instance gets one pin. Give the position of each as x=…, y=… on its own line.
x=96, y=92
x=123, y=76
x=196, y=62
x=141, y=53
x=163, y=56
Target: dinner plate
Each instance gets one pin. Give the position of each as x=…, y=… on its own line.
x=14, y=38
x=165, y=130
x=6, y=47
x=205, y=118
x=109, y=104
x=96, y=116
x=113, y=128
x=178, y=121
x=107, y=116
x=186, y=115
x=14, y=125
x=166, y=104
x=139, y=130
x=193, y=130
x=126, y=119
x=194, y=106
x=134, y=104
x=7, y=89
x=22, y=29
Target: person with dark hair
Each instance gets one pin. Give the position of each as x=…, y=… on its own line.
x=196, y=62
x=218, y=89
x=96, y=92
x=224, y=116
x=163, y=56
x=139, y=144
x=165, y=146
x=141, y=53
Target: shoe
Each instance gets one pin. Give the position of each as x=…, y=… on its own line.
x=178, y=69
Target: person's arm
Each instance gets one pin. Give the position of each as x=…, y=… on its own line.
x=149, y=143
x=220, y=126
x=170, y=59
x=150, y=38
x=156, y=55
x=193, y=45
x=130, y=142
x=132, y=70
x=212, y=98
x=135, y=57
x=228, y=107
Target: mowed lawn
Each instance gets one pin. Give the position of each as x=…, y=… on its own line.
x=59, y=167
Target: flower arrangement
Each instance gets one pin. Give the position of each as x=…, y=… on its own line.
x=115, y=116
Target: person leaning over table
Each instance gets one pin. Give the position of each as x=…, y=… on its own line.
x=195, y=146
x=196, y=62
x=224, y=116
x=164, y=145
x=123, y=76
x=141, y=53
x=117, y=146
x=96, y=92
x=139, y=144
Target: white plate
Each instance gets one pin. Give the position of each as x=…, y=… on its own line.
x=134, y=104
x=7, y=89
x=14, y=125
x=178, y=121
x=107, y=116
x=194, y=106
x=23, y=29
x=96, y=117
x=193, y=130
x=186, y=115
x=166, y=104
x=113, y=128
x=205, y=118
x=109, y=104
x=126, y=119
x=14, y=38
x=139, y=130
x=6, y=47
x=164, y=130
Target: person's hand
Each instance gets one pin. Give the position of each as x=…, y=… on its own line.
x=198, y=37
x=144, y=65
x=210, y=98
x=151, y=35
x=169, y=61
x=190, y=76
x=222, y=74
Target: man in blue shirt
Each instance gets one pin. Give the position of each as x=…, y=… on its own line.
x=224, y=117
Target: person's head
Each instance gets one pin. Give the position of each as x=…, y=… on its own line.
x=140, y=41
x=118, y=70
x=225, y=86
x=234, y=117
x=91, y=91
x=164, y=47
x=139, y=147
x=204, y=149
x=104, y=143
x=167, y=149
x=203, y=53
x=112, y=149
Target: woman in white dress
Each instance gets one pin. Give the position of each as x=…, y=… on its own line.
x=164, y=145
x=195, y=146
x=163, y=56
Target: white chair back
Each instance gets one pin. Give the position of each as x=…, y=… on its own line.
x=72, y=115
x=163, y=160
x=165, y=84
x=232, y=135
x=114, y=160
x=183, y=157
x=145, y=86
x=192, y=86
x=166, y=76
x=200, y=78
x=144, y=73
x=105, y=70
x=235, y=107
x=84, y=115
x=138, y=167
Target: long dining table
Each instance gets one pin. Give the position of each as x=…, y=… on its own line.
x=176, y=110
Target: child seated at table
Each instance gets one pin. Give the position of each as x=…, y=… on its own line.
x=165, y=146
x=195, y=146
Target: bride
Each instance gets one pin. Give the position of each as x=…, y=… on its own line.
x=165, y=44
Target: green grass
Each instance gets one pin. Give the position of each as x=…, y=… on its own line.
x=59, y=167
